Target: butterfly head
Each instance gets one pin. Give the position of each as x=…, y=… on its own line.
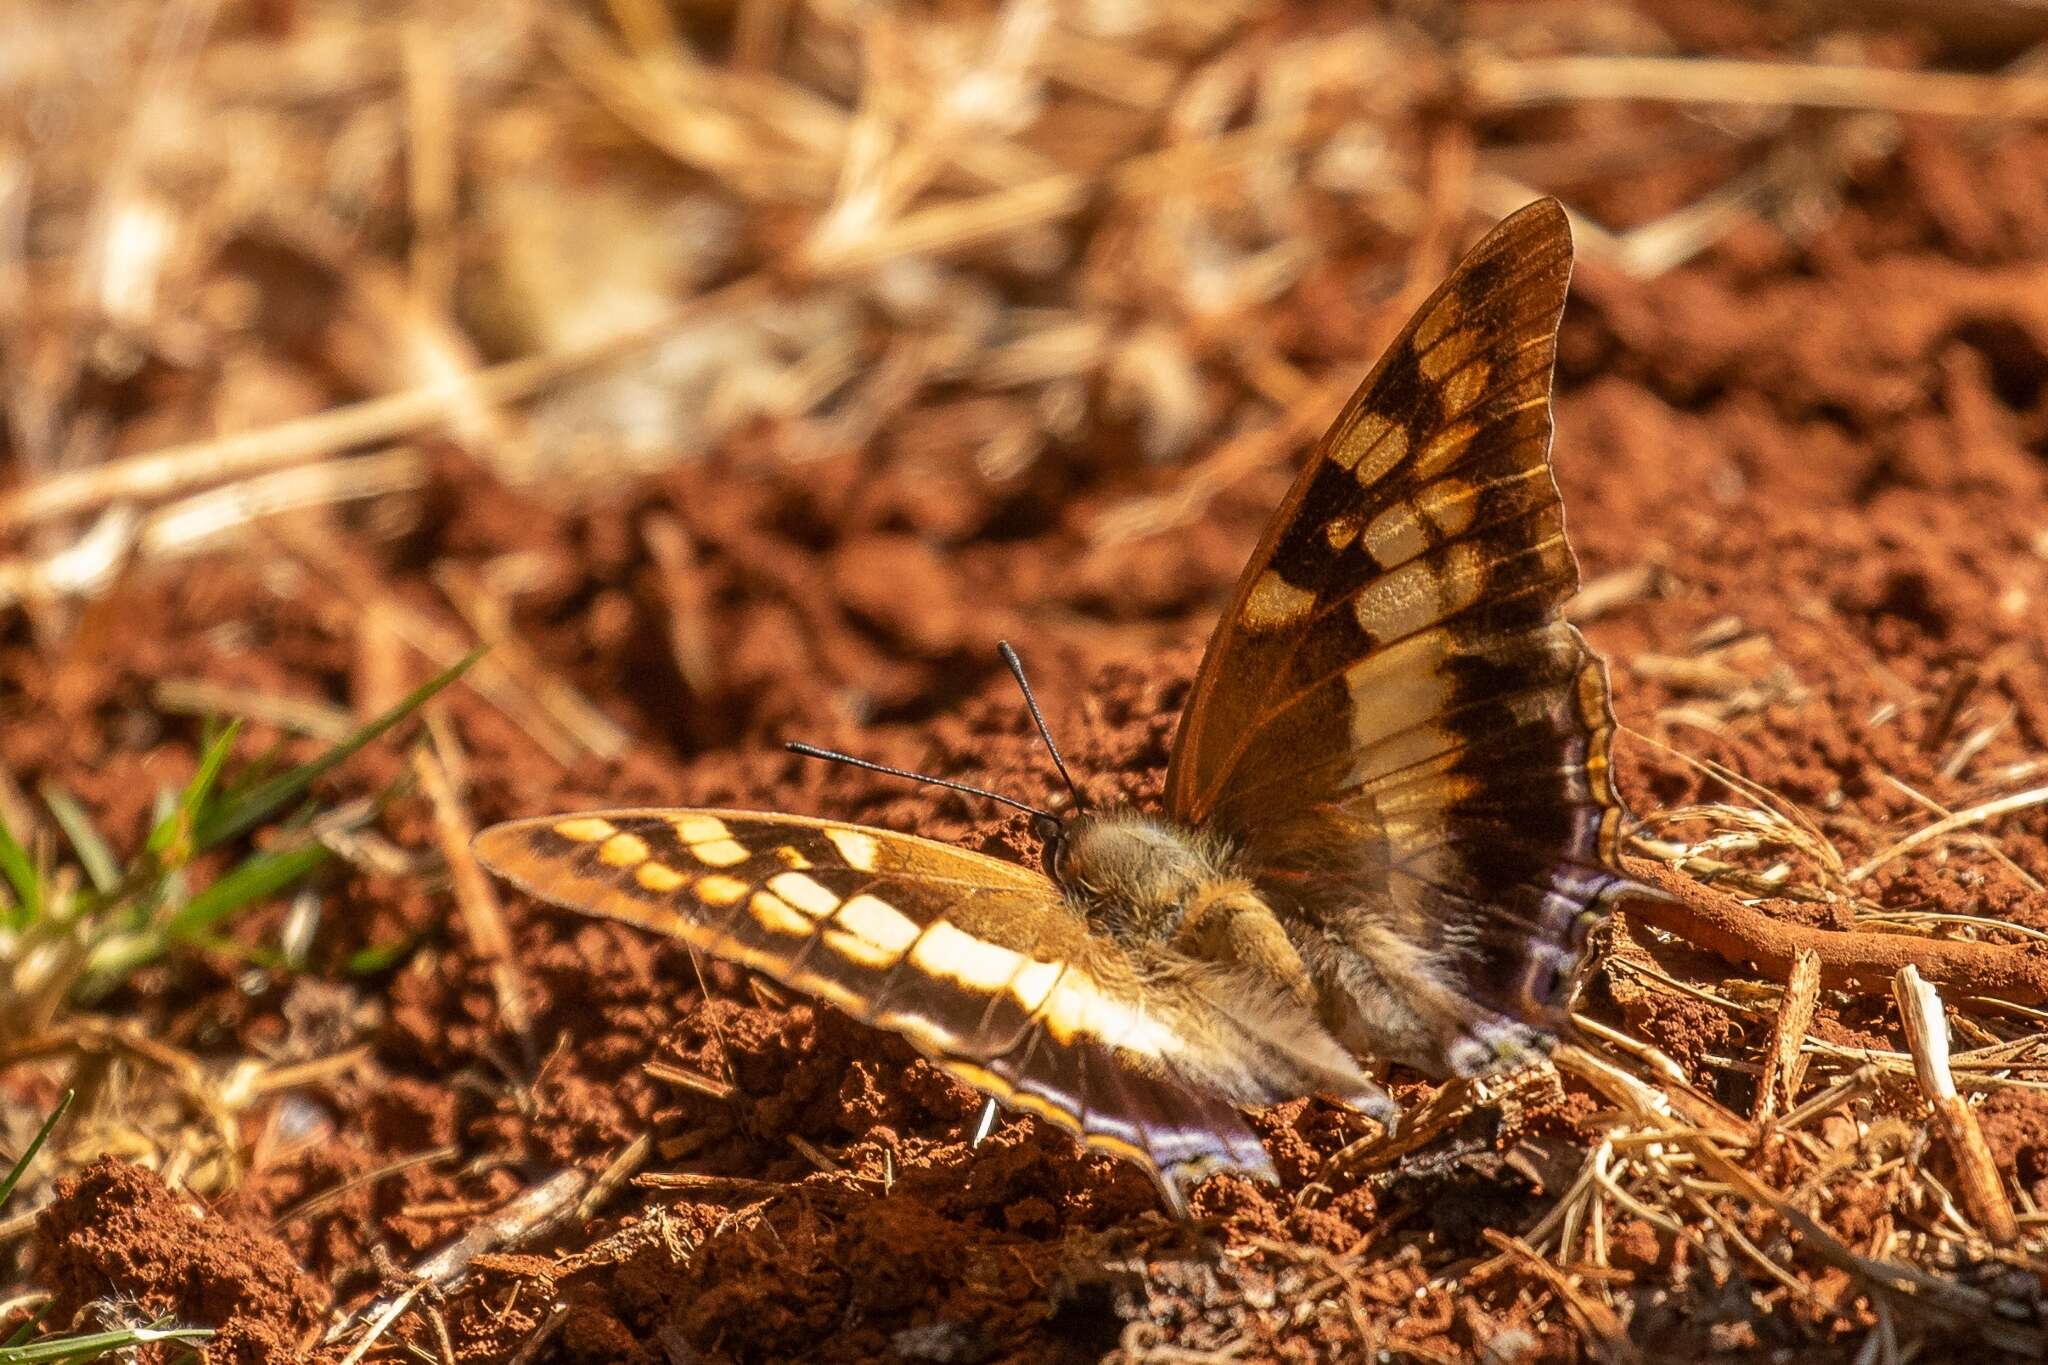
x=1130, y=871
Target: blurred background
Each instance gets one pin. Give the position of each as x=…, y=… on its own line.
x=742, y=371
x=263, y=257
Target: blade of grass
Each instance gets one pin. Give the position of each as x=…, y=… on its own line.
x=35, y=1144
x=243, y=810
x=97, y=1344
x=101, y=867
x=370, y=960
x=29, y=1328
x=197, y=792
x=20, y=871
x=258, y=876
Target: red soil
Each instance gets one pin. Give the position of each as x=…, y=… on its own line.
x=1832, y=455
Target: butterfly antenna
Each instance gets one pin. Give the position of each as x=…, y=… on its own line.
x=1016, y=667
x=834, y=756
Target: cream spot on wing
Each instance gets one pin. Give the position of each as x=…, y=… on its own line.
x=859, y=951
x=1274, y=602
x=1033, y=985
x=719, y=889
x=1400, y=533
x=860, y=850
x=1399, y=685
x=773, y=913
x=791, y=857
x=1372, y=448
x=700, y=829
x=1462, y=389
x=659, y=878
x=1073, y=1011
x=878, y=922
x=1399, y=603
x=1396, y=536
x=1461, y=577
x=976, y=963
x=1369, y=430
x=1440, y=319
x=623, y=850
x=1450, y=504
x=1445, y=448
x=804, y=893
x=1421, y=804
x=720, y=853
x=870, y=932
x=1079, y=1009
x=1340, y=531
x=586, y=829
x=1383, y=458
x=1399, y=756
x=1446, y=355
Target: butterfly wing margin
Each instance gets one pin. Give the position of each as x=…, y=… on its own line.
x=980, y=963
x=1394, y=676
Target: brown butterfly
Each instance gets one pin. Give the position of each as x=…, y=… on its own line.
x=1389, y=826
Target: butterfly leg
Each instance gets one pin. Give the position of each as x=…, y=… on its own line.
x=1377, y=1105
x=1232, y=925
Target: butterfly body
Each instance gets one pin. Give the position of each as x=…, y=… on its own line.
x=1389, y=823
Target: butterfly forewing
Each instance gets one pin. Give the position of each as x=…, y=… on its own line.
x=978, y=962
x=1392, y=712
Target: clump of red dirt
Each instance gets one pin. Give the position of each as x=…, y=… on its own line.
x=1825, y=461
x=118, y=1239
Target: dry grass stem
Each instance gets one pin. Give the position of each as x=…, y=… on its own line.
x=360, y=586
x=527, y=1215
x=689, y=635
x=199, y=697
x=1555, y=80
x=476, y=897
x=155, y=474
x=688, y=1079
x=1983, y=1186
x=490, y=616
x=616, y=1173
x=1949, y=824
x=1606, y=1335
x=1784, y=1062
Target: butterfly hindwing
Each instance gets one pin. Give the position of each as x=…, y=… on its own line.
x=980, y=963
x=1393, y=714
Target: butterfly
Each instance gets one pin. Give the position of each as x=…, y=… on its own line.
x=1390, y=820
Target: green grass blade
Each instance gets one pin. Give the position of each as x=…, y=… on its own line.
x=258, y=876
x=376, y=957
x=97, y=1344
x=101, y=867
x=213, y=756
x=241, y=811
x=20, y=871
x=35, y=1144
x=29, y=1328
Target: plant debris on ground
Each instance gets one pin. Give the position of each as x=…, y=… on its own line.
x=738, y=373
